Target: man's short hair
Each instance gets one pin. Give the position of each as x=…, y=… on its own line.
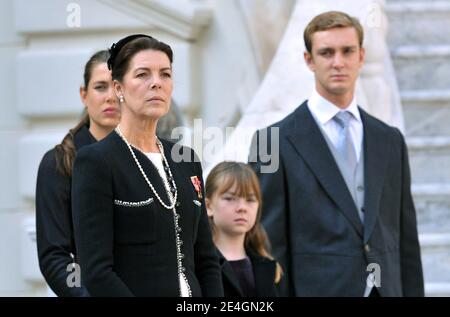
x=331, y=20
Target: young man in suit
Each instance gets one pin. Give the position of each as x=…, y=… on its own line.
x=339, y=205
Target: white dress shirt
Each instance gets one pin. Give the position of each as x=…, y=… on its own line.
x=324, y=111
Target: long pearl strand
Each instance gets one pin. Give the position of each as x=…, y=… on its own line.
x=175, y=196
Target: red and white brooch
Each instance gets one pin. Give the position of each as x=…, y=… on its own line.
x=197, y=186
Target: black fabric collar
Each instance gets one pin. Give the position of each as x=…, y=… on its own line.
x=83, y=137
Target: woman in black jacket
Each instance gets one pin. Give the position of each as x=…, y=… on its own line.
x=54, y=230
x=233, y=201
x=139, y=217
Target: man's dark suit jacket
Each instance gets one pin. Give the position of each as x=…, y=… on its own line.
x=129, y=250
x=313, y=223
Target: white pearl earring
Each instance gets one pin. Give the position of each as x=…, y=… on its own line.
x=121, y=100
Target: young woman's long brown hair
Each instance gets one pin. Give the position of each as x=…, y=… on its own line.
x=223, y=177
x=65, y=151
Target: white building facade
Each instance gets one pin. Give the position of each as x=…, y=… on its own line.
x=232, y=59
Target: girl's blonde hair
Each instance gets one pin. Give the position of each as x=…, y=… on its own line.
x=223, y=177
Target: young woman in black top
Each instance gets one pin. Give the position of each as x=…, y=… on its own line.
x=233, y=201
x=139, y=216
x=54, y=230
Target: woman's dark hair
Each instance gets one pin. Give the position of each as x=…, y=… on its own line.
x=123, y=51
x=65, y=151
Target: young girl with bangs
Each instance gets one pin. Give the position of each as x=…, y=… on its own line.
x=233, y=202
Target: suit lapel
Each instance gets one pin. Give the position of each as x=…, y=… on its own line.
x=264, y=272
x=228, y=274
x=310, y=144
x=148, y=167
x=376, y=159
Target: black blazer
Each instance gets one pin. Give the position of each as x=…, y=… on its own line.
x=54, y=228
x=130, y=250
x=263, y=270
x=313, y=223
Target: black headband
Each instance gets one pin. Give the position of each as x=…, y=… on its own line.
x=116, y=47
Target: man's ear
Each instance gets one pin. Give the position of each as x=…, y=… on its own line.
x=362, y=56
x=309, y=61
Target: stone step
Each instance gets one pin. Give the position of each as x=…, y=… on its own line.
x=420, y=44
x=414, y=1
x=426, y=112
x=432, y=203
x=418, y=22
x=437, y=289
x=422, y=67
x=429, y=159
x=435, y=251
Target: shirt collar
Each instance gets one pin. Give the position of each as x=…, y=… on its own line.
x=324, y=110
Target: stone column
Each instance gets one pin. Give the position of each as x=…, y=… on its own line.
x=266, y=22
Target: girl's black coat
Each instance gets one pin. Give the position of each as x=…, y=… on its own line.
x=263, y=270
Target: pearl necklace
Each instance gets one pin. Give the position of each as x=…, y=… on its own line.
x=182, y=279
x=172, y=198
